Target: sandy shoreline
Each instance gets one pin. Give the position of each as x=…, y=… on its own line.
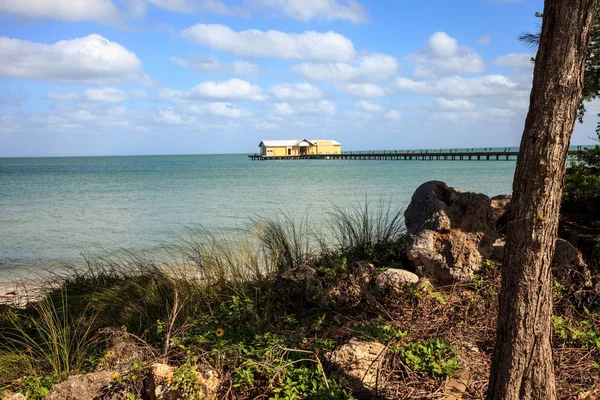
x=20, y=292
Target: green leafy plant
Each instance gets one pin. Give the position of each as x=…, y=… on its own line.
x=583, y=333
x=433, y=357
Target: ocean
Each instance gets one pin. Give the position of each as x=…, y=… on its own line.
x=57, y=209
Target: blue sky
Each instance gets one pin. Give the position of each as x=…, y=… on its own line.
x=101, y=77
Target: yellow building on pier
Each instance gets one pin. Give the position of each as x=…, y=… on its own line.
x=280, y=148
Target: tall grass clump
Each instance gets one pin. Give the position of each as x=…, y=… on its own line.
x=289, y=242
x=367, y=232
x=49, y=338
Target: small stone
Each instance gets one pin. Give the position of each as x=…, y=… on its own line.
x=13, y=396
x=395, y=279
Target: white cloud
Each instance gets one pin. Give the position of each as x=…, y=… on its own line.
x=219, y=109
x=456, y=86
x=369, y=107
x=305, y=10
x=103, y=11
x=212, y=64
x=455, y=104
x=484, y=40
x=392, y=115
x=62, y=96
x=324, y=107
x=105, y=95
x=233, y=89
x=168, y=116
x=370, y=68
x=444, y=56
x=310, y=45
x=366, y=90
x=518, y=104
x=516, y=60
x=296, y=91
x=91, y=59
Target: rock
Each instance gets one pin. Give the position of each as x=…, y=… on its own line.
x=499, y=205
x=568, y=267
x=300, y=274
x=81, y=387
x=498, y=250
x=361, y=269
x=13, y=396
x=452, y=232
x=158, y=383
x=456, y=386
x=360, y=361
x=395, y=279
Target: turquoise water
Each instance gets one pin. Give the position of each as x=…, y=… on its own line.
x=55, y=209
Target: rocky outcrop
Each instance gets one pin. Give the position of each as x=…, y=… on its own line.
x=81, y=387
x=452, y=232
x=13, y=396
x=568, y=267
x=393, y=280
x=158, y=383
x=360, y=362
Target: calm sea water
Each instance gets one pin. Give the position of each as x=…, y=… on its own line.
x=55, y=209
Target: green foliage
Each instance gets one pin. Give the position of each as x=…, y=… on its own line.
x=583, y=333
x=37, y=387
x=582, y=181
x=381, y=331
x=558, y=290
x=50, y=338
x=433, y=357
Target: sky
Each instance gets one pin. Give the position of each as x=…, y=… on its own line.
x=121, y=77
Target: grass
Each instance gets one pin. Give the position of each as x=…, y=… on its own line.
x=216, y=302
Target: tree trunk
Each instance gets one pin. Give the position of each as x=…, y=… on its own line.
x=522, y=366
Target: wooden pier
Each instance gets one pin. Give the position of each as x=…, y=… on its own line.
x=402, y=155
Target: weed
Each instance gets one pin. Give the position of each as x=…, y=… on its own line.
x=433, y=357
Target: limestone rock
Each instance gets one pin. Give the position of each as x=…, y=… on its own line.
x=81, y=387
x=360, y=361
x=499, y=205
x=300, y=274
x=158, y=383
x=568, y=266
x=361, y=269
x=452, y=232
x=394, y=279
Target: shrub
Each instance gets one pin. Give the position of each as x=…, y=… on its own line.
x=433, y=357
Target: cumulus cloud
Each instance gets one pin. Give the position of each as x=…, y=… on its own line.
x=105, y=95
x=455, y=104
x=54, y=96
x=233, y=89
x=516, y=60
x=366, y=90
x=296, y=91
x=305, y=10
x=367, y=106
x=444, y=56
x=456, y=86
x=168, y=116
x=91, y=59
x=219, y=109
x=370, y=68
x=266, y=126
x=212, y=64
x=103, y=11
x=310, y=45
x=324, y=107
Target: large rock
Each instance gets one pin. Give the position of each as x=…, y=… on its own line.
x=360, y=361
x=452, y=232
x=81, y=387
x=568, y=267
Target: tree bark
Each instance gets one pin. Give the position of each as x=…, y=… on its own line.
x=522, y=366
